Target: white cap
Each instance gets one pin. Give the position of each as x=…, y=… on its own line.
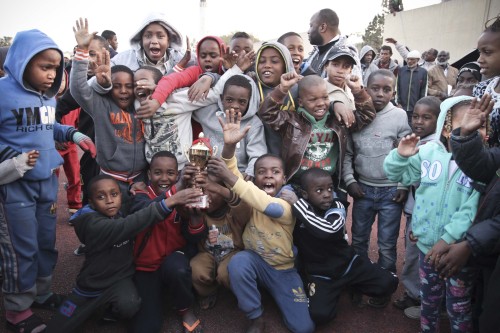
x=413, y=54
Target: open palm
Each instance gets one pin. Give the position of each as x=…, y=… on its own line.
x=231, y=127
x=82, y=35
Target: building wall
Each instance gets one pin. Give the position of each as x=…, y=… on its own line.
x=453, y=26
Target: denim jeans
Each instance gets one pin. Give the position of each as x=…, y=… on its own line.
x=377, y=201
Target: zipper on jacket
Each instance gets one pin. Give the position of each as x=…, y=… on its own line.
x=409, y=92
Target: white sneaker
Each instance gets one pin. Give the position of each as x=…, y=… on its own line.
x=413, y=312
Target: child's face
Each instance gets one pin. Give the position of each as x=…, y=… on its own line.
x=337, y=70
x=106, y=197
x=315, y=100
x=162, y=173
x=489, y=54
x=269, y=175
x=241, y=44
x=142, y=74
x=319, y=193
x=95, y=50
x=113, y=42
x=270, y=67
x=209, y=56
x=123, y=89
x=41, y=71
x=155, y=42
x=466, y=78
x=381, y=90
x=423, y=120
x=236, y=97
x=295, y=45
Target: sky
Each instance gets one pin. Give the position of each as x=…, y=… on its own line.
x=265, y=19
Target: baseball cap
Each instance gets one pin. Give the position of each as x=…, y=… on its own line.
x=339, y=51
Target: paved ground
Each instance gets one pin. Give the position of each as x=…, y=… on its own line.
x=225, y=316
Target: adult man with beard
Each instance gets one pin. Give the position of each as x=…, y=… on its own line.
x=441, y=76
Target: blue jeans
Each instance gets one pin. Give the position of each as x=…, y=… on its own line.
x=377, y=201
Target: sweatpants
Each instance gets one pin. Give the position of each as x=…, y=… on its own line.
x=364, y=276
x=248, y=271
x=27, y=240
x=207, y=275
x=172, y=280
x=122, y=297
x=71, y=168
x=409, y=275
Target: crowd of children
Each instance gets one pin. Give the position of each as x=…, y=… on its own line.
x=284, y=149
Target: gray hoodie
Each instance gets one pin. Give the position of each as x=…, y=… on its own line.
x=135, y=57
x=366, y=70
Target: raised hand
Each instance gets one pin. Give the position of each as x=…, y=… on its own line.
x=353, y=82
x=218, y=168
x=231, y=127
x=288, y=80
x=82, y=35
x=102, y=69
x=408, y=145
x=245, y=60
x=476, y=115
x=228, y=57
x=187, y=56
x=199, y=89
x=391, y=40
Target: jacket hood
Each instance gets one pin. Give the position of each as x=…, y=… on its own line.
x=222, y=48
x=445, y=106
x=364, y=50
x=25, y=46
x=285, y=53
x=175, y=37
x=253, y=103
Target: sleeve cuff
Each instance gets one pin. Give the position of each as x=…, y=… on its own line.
x=81, y=54
x=165, y=208
x=455, y=135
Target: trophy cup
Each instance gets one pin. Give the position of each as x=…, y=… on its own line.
x=198, y=154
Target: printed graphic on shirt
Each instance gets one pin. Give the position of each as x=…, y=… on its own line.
x=318, y=153
x=163, y=134
x=35, y=119
x=124, y=127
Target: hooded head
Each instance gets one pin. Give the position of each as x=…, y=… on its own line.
x=26, y=45
x=273, y=59
x=366, y=50
x=235, y=90
x=207, y=60
x=445, y=118
x=174, y=37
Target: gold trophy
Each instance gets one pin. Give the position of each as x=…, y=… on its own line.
x=198, y=154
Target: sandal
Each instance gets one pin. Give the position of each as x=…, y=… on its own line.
x=32, y=324
x=51, y=303
x=195, y=327
x=207, y=302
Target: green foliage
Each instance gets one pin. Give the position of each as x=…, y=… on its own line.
x=374, y=31
x=5, y=41
x=227, y=38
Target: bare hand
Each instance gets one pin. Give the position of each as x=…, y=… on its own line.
x=199, y=90
x=33, y=155
x=188, y=175
x=245, y=60
x=184, y=197
x=453, y=261
x=102, y=69
x=229, y=58
x=289, y=196
x=391, y=40
x=231, y=128
x=139, y=186
x=343, y=114
x=147, y=109
x=438, y=250
x=217, y=167
x=248, y=178
x=355, y=191
x=408, y=145
x=401, y=196
x=288, y=80
x=187, y=56
x=476, y=115
x=82, y=36
x=354, y=82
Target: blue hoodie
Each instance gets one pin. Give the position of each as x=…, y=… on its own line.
x=27, y=118
x=445, y=204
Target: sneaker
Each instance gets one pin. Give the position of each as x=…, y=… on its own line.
x=33, y=324
x=405, y=302
x=413, y=312
x=51, y=303
x=378, y=302
x=80, y=251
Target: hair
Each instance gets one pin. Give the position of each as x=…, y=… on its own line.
x=266, y=156
x=286, y=35
x=92, y=183
x=494, y=26
x=157, y=74
x=309, y=174
x=163, y=153
x=449, y=115
x=308, y=81
x=433, y=51
x=329, y=17
x=102, y=40
x=382, y=72
x=121, y=68
x=237, y=80
x=240, y=34
x=386, y=48
x=108, y=34
x=432, y=102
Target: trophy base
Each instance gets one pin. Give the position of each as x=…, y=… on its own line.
x=202, y=203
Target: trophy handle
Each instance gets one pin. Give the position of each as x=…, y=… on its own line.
x=186, y=152
x=215, y=149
